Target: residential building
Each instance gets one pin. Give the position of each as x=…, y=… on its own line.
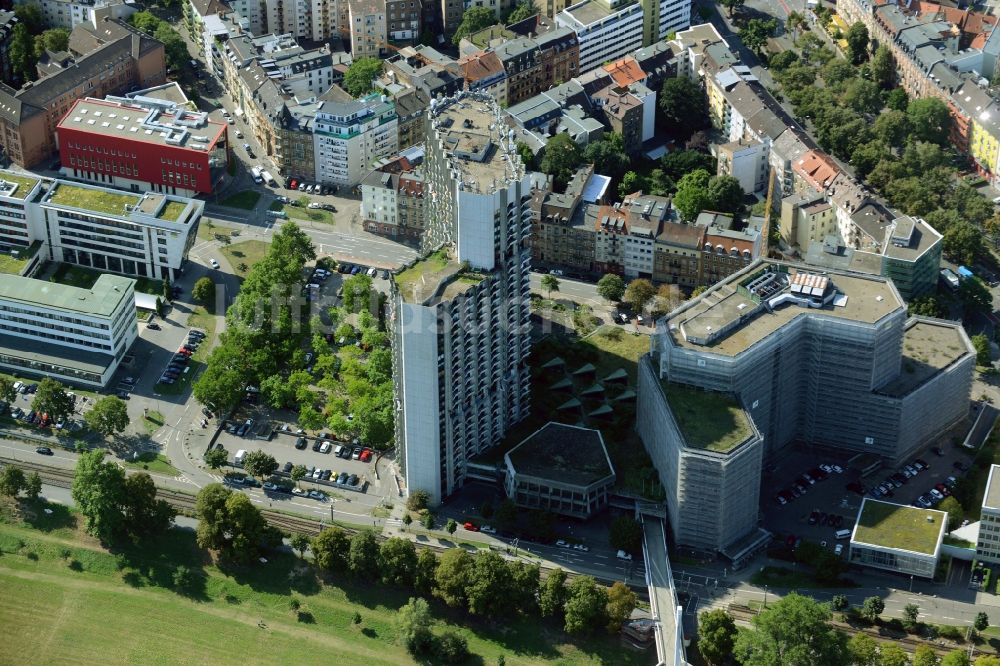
x=605, y=29
x=983, y=113
x=460, y=315
x=294, y=150
x=806, y=218
x=404, y=19
x=560, y=54
x=988, y=543
x=746, y=161
x=425, y=69
x=143, y=144
x=728, y=248
x=898, y=538
x=631, y=114
x=113, y=60
x=393, y=204
x=829, y=358
x=352, y=135
x=411, y=105
x=68, y=14
x=562, y=469
x=522, y=63
x=677, y=253
x=369, y=34
x=564, y=223
x=484, y=72
x=661, y=18
x=78, y=336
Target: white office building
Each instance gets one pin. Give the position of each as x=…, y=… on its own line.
x=606, y=29
x=350, y=136
x=75, y=335
x=461, y=315
x=988, y=543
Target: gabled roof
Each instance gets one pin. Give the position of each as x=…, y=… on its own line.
x=817, y=168
x=480, y=65
x=625, y=71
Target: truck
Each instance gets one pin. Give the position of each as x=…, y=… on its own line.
x=240, y=455
x=965, y=273
x=268, y=178
x=257, y=175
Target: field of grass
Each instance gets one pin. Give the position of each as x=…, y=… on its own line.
x=200, y=318
x=303, y=212
x=247, y=200
x=67, y=599
x=247, y=252
x=172, y=210
x=153, y=462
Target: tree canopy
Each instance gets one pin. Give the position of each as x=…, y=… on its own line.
x=109, y=415
x=473, y=20
x=561, y=157
x=359, y=79
x=684, y=106
x=794, y=631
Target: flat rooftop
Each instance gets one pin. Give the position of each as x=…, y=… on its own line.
x=928, y=348
x=22, y=185
x=100, y=300
x=922, y=238
x=591, y=11
x=179, y=127
x=709, y=421
x=896, y=526
x=434, y=277
x=563, y=453
x=93, y=199
x=474, y=137
x=991, y=499
x=860, y=298
x=36, y=352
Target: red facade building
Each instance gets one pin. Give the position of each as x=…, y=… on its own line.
x=147, y=145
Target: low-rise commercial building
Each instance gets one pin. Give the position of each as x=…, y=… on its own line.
x=560, y=468
x=75, y=335
x=898, y=538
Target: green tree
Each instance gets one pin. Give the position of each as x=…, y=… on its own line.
x=863, y=650
x=783, y=60
x=621, y=602
x=756, y=32
x=451, y=648
x=680, y=162
x=330, y=548
x=550, y=283
x=692, y=194
x=839, y=602
x=298, y=473
x=428, y=521
x=418, y=500
x=553, y=593
x=30, y=15
x=473, y=20
x=611, y=287
x=489, y=592
x=526, y=154
x=975, y=297
x=732, y=5
x=7, y=392
x=981, y=622
x=891, y=654
x=562, y=155
x=98, y=492
x=451, y=526
x=625, y=534
x=506, y=516
x=892, y=128
x=962, y=242
x=397, y=561
x=108, y=416
x=725, y=195
x=229, y=523
x=359, y=79
x=586, y=606
x=453, y=577
x=639, y=292
x=857, y=42
x=11, y=481
x=982, y=345
x=794, y=631
x=407, y=520
x=956, y=658
x=363, y=556
x=52, y=398
x=414, y=625
x=927, y=306
x=525, y=9
x=609, y=154
x=883, y=67
x=204, y=290
x=55, y=40
x=924, y=656
x=525, y=580
x=143, y=514
x=424, y=576
x=684, y=108
x=33, y=486
x=300, y=543
x=357, y=292
x=716, y=636
x=216, y=457
x=872, y=607
x=863, y=96
x=897, y=99
x=930, y=120
x=910, y=614
x=260, y=464
x=22, y=54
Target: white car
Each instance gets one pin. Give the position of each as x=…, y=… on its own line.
x=826, y=468
x=325, y=447
x=215, y=264
x=562, y=544
x=487, y=529
x=581, y=547
x=315, y=205
x=838, y=469
x=622, y=555
x=298, y=491
x=239, y=134
x=936, y=494
x=838, y=549
x=230, y=121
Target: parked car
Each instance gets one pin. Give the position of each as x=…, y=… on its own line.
x=960, y=466
x=342, y=479
x=470, y=527
x=317, y=495
x=301, y=443
x=287, y=467
x=938, y=451
x=153, y=326
x=352, y=480
x=814, y=517
x=356, y=453
x=325, y=447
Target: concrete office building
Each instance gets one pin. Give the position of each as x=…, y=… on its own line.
x=988, y=543
x=830, y=359
x=662, y=17
x=75, y=335
x=560, y=468
x=898, y=538
x=351, y=135
x=460, y=316
x=605, y=29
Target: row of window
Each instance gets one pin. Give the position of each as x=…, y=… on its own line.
x=101, y=150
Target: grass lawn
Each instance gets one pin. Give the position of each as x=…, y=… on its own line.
x=247, y=252
x=154, y=462
x=906, y=527
x=429, y=265
x=172, y=210
x=709, y=420
x=789, y=578
x=14, y=265
x=65, y=595
x=304, y=213
x=201, y=319
x=247, y=200
x=972, y=486
x=24, y=183
x=214, y=231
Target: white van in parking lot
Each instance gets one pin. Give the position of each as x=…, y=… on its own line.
x=240, y=455
x=843, y=534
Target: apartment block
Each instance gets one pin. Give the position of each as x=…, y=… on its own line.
x=405, y=18
x=988, y=543
x=78, y=336
x=143, y=144
x=351, y=136
x=393, y=203
x=806, y=218
x=70, y=13
x=460, y=315
x=677, y=254
x=368, y=27
x=605, y=29
x=746, y=161
x=112, y=60
x=728, y=248
x=7, y=22
x=829, y=358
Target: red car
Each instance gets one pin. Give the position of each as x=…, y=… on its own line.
x=470, y=527
x=186, y=352
x=293, y=184
x=366, y=455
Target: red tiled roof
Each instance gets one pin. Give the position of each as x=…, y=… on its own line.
x=480, y=65
x=625, y=72
x=817, y=168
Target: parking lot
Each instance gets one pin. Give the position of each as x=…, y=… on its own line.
x=831, y=500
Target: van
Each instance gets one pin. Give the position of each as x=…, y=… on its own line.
x=240, y=455
x=622, y=555
x=338, y=450
x=843, y=534
x=268, y=178
x=256, y=173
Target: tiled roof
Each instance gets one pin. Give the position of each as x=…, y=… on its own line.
x=625, y=72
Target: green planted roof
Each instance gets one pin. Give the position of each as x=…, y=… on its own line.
x=708, y=420
x=96, y=200
x=897, y=526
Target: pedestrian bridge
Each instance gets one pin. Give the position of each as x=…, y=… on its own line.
x=667, y=611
